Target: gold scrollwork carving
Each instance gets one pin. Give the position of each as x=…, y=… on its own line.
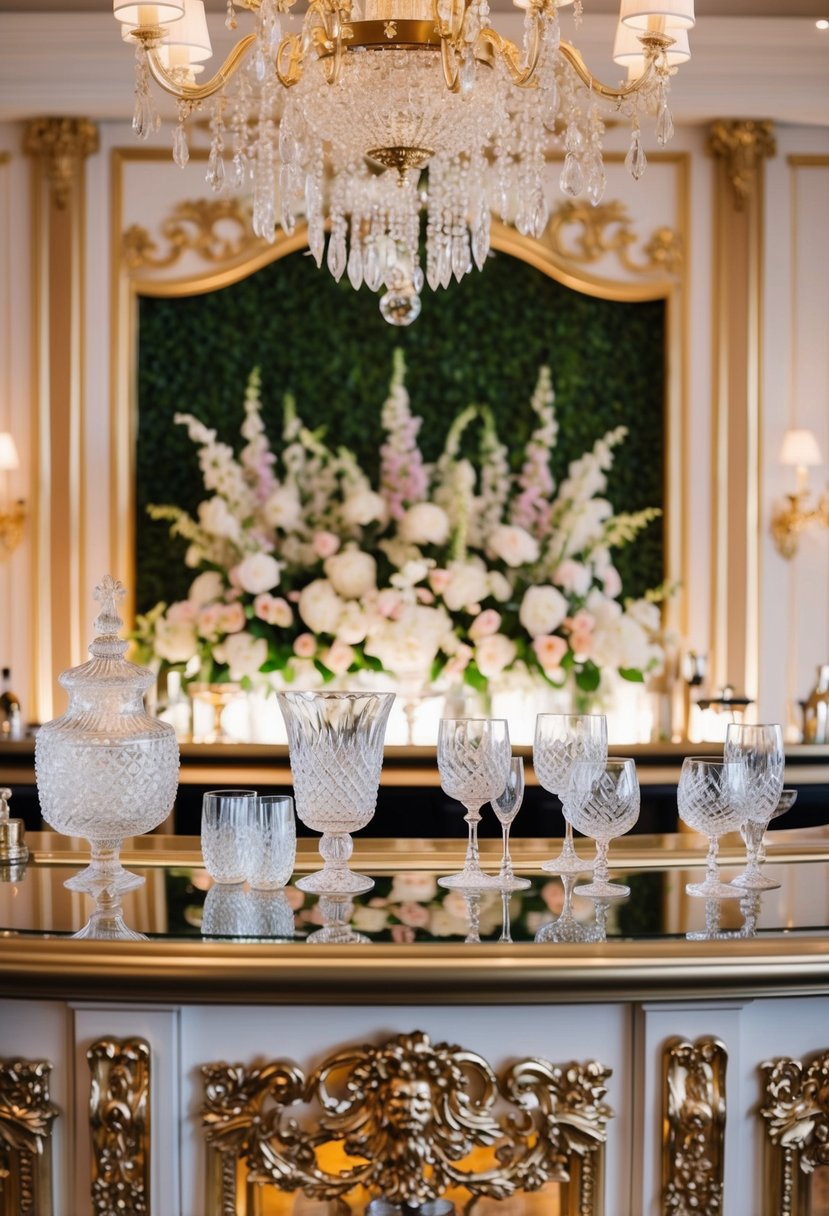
x=62, y=144
x=796, y=1112
x=218, y=230
x=742, y=145
x=582, y=233
x=26, y=1118
x=694, y=1123
x=408, y=1114
x=119, y=1122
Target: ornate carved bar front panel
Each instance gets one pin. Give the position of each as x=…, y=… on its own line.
x=119, y=1124
x=26, y=1118
x=796, y=1114
x=693, y=1127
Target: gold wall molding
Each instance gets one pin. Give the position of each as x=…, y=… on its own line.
x=408, y=1115
x=62, y=144
x=693, y=1150
x=26, y=1118
x=607, y=229
x=742, y=145
x=217, y=230
x=796, y=1114
x=119, y=1124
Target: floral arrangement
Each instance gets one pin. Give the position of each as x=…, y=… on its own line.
x=457, y=571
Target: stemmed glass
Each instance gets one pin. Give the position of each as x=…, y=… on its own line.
x=506, y=806
x=560, y=741
x=758, y=749
x=603, y=802
x=565, y=928
x=474, y=762
x=711, y=800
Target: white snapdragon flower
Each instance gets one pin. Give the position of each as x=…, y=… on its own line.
x=364, y=507
x=320, y=606
x=258, y=572
x=493, y=654
x=216, y=518
x=352, y=573
x=513, y=545
x=425, y=523
x=468, y=584
x=283, y=509
x=243, y=653
x=542, y=610
x=207, y=587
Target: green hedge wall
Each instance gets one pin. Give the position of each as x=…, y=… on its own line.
x=483, y=340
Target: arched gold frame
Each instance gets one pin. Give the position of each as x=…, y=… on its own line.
x=127, y=287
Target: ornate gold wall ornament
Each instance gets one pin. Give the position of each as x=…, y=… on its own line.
x=694, y=1127
x=61, y=143
x=218, y=230
x=26, y=1118
x=407, y=1114
x=743, y=145
x=119, y=1122
x=796, y=1112
x=581, y=233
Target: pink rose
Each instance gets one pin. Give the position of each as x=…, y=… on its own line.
x=424, y=595
x=232, y=618
x=338, y=657
x=581, y=642
x=325, y=544
x=389, y=603
x=181, y=612
x=549, y=650
x=413, y=914
x=207, y=621
x=274, y=610
x=583, y=621
x=485, y=625
x=612, y=583
x=402, y=934
x=439, y=580
x=305, y=646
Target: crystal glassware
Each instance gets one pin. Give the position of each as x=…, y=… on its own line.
x=759, y=751
x=560, y=741
x=335, y=740
x=227, y=825
x=335, y=913
x=272, y=852
x=474, y=763
x=106, y=769
x=603, y=803
x=228, y=912
x=566, y=927
x=710, y=798
x=272, y=914
x=506, y=806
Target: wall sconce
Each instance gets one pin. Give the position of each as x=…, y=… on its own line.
x=13, y=516
x=800, y=450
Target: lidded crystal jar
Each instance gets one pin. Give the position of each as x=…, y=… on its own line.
x=106, y=769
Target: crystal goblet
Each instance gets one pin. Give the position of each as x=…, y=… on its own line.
x=711, y=798
x=335, y=741
x=474, y=761
x=506, y=806
x=603, y=802
x=759, y=750
x=560, y=741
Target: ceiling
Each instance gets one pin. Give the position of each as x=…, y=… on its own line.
x=711, y=8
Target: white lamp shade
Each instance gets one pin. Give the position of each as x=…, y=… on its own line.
x=800, y=448
x=8, y=452
x=628, y=53
x=658, y=14
x=190, y=34
x=139, y=16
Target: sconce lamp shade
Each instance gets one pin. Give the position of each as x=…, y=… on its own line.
x=649, y=14
x=800, y=449
x=628, y=51
x=8, y=452
x=188, y=36
x=145, y=15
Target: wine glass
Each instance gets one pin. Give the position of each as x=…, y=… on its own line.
x=474, y=763
x=566, y=927
x=506, y=806
x=560, y=741
x=758, y=749
x=711, y=798
x=603, y=802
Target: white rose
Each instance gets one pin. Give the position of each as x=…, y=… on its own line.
x=468, y=584
x=243, y=653
x=352, y=626
x=364, y=507
x=542, y=610
x=320, y=606
x=410, y=643
x=623, y=644
x=645, y=614
x=603, y=610
x=493, y=654
x=573, y=576
x=425, y=524
x=499, y=586
x=411, y=573
x=283, y=509
x=258, y=572
x=352, y=573
x=206, y=588
x=175, y=640
x=215, y=517
x=513, y=545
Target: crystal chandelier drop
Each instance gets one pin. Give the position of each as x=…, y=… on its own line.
x=402, y=125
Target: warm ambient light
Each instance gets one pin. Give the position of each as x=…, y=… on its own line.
x=822, y=24
x=800, y=451
x=381, y=112
x=13, y=516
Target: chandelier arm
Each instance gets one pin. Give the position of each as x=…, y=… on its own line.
x=192, y=92
x=292, y=72
x=522, y=74
x=449, y=62
x=653, y=46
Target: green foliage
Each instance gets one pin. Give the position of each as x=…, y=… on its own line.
x=482, y=341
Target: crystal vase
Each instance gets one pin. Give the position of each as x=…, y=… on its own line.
x=106, y=769
x=335, y=740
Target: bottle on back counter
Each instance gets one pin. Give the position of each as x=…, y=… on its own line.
x=11, y=719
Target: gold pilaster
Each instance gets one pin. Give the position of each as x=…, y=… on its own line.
x=796, y=1114
x=26, y=1118
x=119, y=1121
x=741, y=149
x=693, y=1122
x=58, y=147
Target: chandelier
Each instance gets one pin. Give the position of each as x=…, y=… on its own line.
x=400, y=126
